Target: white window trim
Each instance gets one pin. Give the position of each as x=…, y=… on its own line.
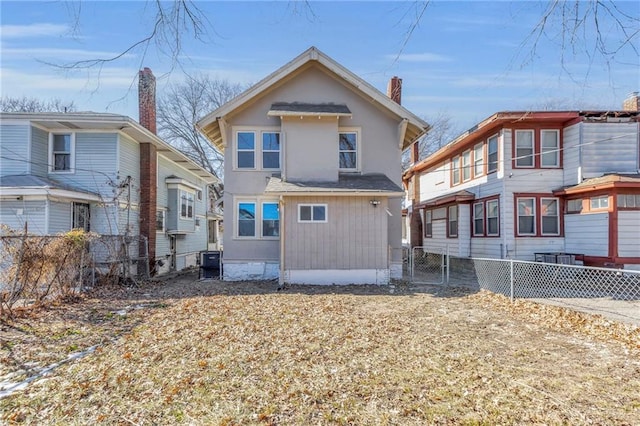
x=456, y=170
x=480, y=232
x=355, y=130
x=258, y=202
x=72, y=156
x=262, y=150
x=257, y=147
x=556, y=149
x=478, y=147
x=193, y=201
x=533, y=149
x=468, y=166
x=164, y=220
x=312, y=205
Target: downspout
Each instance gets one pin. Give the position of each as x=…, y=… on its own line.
x=282, y=246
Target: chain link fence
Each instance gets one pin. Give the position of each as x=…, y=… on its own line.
x=426, y=266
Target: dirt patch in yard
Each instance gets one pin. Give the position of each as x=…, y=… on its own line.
x=202, y=352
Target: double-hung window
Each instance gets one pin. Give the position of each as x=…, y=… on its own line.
x=270, y=150
x=310, y=213
x=186, y=205
x=452, y=221
x=466, y=166
x=428, y=223
x=524, y=148
x=492, y=154
x=455, y=170
x=527, y=216
x=270, y=220
x=348, y=150
x=478, y=159
x=62, y=152
x=160, y=222
x=550, y=217
x=246, y=219
x=478, y=219
x=81, y=216
x=246, y=150
x=549, y=148
x=493, y=218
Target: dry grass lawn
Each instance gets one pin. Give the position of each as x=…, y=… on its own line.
x=235, y=354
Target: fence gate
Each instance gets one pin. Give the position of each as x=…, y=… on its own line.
x=427, y=265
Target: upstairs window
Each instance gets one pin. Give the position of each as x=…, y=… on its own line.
x=348, y=150
x=186, y=205
x=270, y=150
x=550, y=148
x=524, y=148
x=246, y=150
x=478, y=160
x=61, y=152
x=466, y=166
x=492, y=154
x=455, y=170
x=160, y=220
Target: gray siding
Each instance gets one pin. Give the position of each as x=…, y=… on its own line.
x=629, y=233
x=129, y=165
x=609, y=147
x=14, y=149
x=95, y=162
x=354, y=236
x=587, y=234
x=39, y=152
x=59, y=217
x=17, y=213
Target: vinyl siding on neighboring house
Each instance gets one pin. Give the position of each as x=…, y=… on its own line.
x=129, y=165
x=571, y=154
x=14, y=149
x=39, y=152
x=354, y=236
x=15, y=213
x=587, y=234
x=629, y=233
x=609, y=147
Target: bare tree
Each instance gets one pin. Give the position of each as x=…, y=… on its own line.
x=441, y=132
x=182, y=105
x=25, y=104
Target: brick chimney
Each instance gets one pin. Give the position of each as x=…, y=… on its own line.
x=394, y=90
x=148, y=164
x=632, y=103
x=147, y=99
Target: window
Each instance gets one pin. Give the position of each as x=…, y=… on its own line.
x=478, y=219
x=452, y=220
x=550, y=148
x=199, y=195
x=186, y=205
x=270, y=220
x=492, y=154
x=212, y=234
x=574, y=206
x=478, y=160
x=599, y=203
x=246, y=146
x=62, y=152
x=486, y=218
x=629, y=201
x=246, y=219
x=348, y=150
x=466, y=166
x=428, y=223
x=550, y=216
x=526, y=216
x=312, y=213
x=270, y=150
x=455, y=170
x=81, y=216
x=493, y=218
x=524, y=148
x=160, y=220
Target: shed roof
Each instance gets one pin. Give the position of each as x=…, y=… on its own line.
x=301, y=108
x=347, y=184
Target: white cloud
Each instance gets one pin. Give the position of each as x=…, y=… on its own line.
x=32, y=30
x=420, y=57
x=59, y=54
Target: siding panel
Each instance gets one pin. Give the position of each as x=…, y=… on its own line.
x=39, y=152
x=14, y=149
x=587, y=234
x=629, y=233
x=15, y=213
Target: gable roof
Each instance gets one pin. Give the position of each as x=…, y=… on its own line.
x=74, y=121
x=210, y=124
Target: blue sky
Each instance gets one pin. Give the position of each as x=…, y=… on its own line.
x=465, y=59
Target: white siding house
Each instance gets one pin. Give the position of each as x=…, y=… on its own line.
x=527, y=183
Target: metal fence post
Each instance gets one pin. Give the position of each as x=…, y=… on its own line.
x=511, y=277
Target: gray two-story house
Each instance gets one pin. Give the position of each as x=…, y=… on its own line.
x=313, y=175
x=104, y=173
